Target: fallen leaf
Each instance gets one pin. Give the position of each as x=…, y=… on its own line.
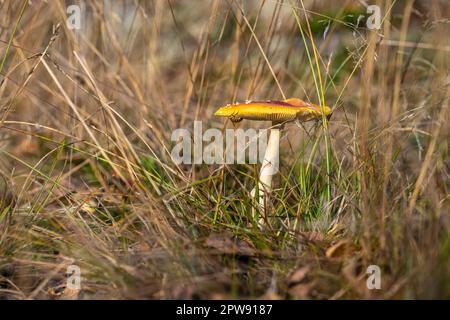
x=61, y=292
x=301, y=290
x=298, y=275
x=70, y=294
x=182, y=292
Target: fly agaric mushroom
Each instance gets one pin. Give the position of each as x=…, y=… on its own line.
x=279, y=112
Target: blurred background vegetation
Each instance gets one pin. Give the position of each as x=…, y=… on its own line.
x=86, y=178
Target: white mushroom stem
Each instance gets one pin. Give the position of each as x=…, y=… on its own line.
x=269, y=168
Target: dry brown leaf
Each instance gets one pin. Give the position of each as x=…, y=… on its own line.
x=301, y=290
x=70, y=294
x=63, y=293
x=182, y=292
x=298, y=275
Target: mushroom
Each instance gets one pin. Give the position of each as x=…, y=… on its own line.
x=279, y=112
